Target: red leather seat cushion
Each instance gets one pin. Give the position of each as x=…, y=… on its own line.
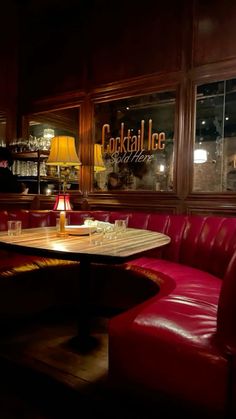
x=168, y=344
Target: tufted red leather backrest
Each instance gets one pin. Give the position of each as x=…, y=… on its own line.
x=21, y=215
x=203, y=242
x=208, y=243
x=39, y=219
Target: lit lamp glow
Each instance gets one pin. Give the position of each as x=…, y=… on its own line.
x=200, y=155
x=98, y=160
x=48, y=133
x=62, y=204
x=63, y=153
x=99, y=166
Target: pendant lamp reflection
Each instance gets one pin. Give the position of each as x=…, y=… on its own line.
x=99, y=165
x=200, y=155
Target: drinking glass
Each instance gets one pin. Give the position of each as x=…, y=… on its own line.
x=97, y=238
x=14, y=228
x=120, y=226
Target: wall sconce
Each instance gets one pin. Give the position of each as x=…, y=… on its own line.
x=200, y=155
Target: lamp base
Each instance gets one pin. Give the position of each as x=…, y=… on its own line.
x=62, y=233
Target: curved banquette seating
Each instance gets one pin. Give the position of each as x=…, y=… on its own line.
x=182, y=342
x=179, y=339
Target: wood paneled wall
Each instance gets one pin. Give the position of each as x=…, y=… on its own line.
x=92, y=48
x=9, y=65
x=214, y=31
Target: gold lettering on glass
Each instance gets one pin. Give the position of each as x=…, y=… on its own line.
x=132, y=143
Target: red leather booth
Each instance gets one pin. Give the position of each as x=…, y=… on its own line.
x=179, y=339
x=181, y=343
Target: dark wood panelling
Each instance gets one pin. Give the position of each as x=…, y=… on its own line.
x=77, y=53
x=12, y=201
x=140, y=201
x=84, y=44
x=9, y=65
x=215, y=204
x=132, y=39
x=53, y=48
x=214, y=34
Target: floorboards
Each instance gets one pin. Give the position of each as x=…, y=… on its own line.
x=43, y=377
x=37, y=361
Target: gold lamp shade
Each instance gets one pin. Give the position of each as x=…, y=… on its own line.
x=98, y=160
x=62, y=152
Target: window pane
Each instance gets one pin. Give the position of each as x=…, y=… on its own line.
x=215, y=137
x=134, y=143
x=3, y=123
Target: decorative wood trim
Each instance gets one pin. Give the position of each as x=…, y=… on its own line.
x=136, y=87
x=213, y=72
x=66, y=100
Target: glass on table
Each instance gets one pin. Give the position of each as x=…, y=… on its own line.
x=14, y=228
x=97, y=238
x=120, y=226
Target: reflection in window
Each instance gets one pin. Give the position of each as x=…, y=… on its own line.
x=136, y=143
x=3, y=123
x=42, y=128
x=215, y=137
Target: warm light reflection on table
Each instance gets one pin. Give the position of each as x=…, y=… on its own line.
x=45, y=242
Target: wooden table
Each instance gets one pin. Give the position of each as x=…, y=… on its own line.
x=46, y=242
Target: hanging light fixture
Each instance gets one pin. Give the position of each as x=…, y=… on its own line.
x=200, y=155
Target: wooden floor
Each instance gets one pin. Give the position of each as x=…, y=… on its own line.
x=42, y=377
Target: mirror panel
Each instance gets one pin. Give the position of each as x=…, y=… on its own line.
x=134, y=143
x=31, y=152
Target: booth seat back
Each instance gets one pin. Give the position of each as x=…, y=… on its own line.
x=203, y=242
x=207, y=243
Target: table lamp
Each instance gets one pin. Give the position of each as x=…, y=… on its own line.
x=63, y=153
x=62, y=204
